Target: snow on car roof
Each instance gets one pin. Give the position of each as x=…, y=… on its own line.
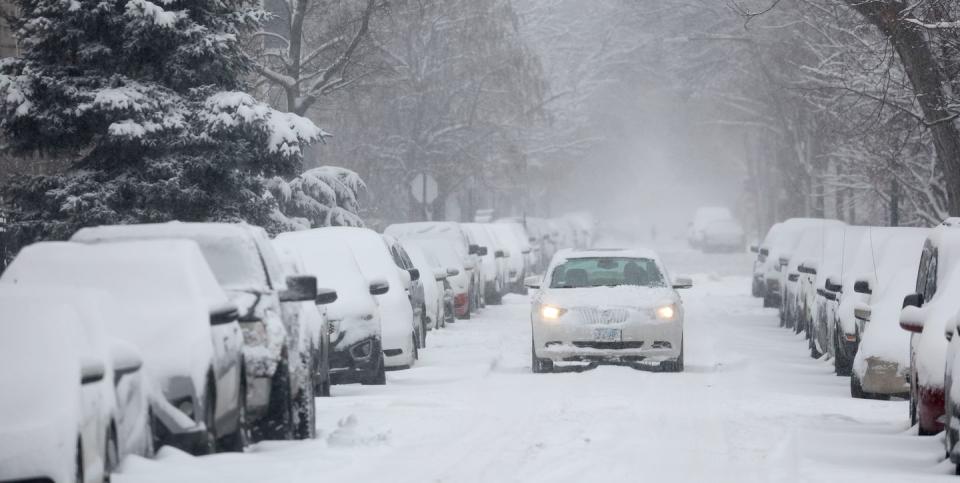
x=610, y=252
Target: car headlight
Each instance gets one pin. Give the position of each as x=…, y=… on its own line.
x=551, y=312
x=666, y=312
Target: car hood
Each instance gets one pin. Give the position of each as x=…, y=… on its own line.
x=620, y=296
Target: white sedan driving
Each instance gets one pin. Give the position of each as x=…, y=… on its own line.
x=607, y=307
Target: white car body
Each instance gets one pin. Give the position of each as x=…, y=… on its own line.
x=398, y=322
x=590, y=314
x=432, y=275
x=167, y=314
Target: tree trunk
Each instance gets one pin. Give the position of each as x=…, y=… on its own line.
x=929, y=83
x=894, y=202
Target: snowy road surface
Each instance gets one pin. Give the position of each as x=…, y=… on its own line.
x=751, y=407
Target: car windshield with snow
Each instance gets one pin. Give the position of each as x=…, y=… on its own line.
x=613, y=306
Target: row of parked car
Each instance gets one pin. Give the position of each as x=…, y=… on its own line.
x=881, y=302
x=211, y=336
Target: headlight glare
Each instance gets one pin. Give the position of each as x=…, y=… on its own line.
x=666, y=312
x=551, y=312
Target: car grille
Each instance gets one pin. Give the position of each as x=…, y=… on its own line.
x=609, y=345
x=593, y=315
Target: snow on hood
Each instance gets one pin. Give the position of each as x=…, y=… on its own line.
x=619, y=296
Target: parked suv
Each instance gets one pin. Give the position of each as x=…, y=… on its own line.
x=277, y=370
x=416, y=291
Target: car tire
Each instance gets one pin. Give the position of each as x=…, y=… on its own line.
x=377, y=377
x=674, y=365
x=537, y=365
x=416, y=348
x=856, y=389
x=277, y=424
x=237, y=441
x=842, y=365
x=78, y=464
x=814, y=352
x=424, y=324
x=305, y=412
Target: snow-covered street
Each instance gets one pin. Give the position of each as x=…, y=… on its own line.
x=751, y=406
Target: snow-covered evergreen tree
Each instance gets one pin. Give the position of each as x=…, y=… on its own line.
x=145, y=100
x=324, y=196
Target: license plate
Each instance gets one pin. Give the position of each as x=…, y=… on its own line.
x=606, y=335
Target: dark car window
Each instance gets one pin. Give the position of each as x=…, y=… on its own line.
x=607, y=271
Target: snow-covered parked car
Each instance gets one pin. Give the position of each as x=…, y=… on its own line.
x=307, y=318
x=469, y=254
x=458, y=277
x=607, y=306
x=399, y=319
x=779, y=251
x=353, y=319
x=415, y=290
x=758, y=286
x=492, y=261
x=881, y=364
x=176, y=315
x=52, y=425
x=800, y=272
x=840, y=244
x=433, y=276
x=530, y=254
x=514, y=256
x=277, y=376
x=714, y=228
x=926, y=314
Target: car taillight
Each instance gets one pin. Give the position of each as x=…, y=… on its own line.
x=460, y=299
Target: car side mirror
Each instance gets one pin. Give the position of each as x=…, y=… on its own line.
x=453, y=272
x=125, y=358
x=379, y=287
x=474, y=249
x=682, y=283
x=832, y=285
x=469, y=265
x=482, y=251
x=500, y=254
x=809, y=268
x=526, y=251
x=414, y=274
x=793, y=277
x=913, y=300
x=765, y=252
x=863, y=286
x=91, y=370
x=533, y=282
x=754, y=249
x=300, y=288
x=911, y=319
x=224, y=314
x=439, y=275
x=325, y=296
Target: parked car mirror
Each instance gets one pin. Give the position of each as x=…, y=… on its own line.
x=765, y=252
x=525, y=251
x=224, y=314
x=913, y=300
x=482, y=251
x=829, y=295
x=469, y=265
x=784, y=261
x=533, y=282
x=500, y=254
x=453, y=272
x=439, y=275
x=793, y=277
x=325, y=296
x=806, y=269
x=379, y=287
x=863, y=286
x=863, y=312
x=300, y=288
x=832, y=285
x=682, y=282
x=125, y=358
x=91, y=370
x=474, y=250
x=754, y=249
x=911, y=319
x=414, y=274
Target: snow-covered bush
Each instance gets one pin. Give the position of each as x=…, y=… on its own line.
x=146, y=102
x=324, y=196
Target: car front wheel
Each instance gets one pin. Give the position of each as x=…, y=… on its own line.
x=539, y=366
x=277, y=424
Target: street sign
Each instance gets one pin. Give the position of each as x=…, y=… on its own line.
x=424, y=188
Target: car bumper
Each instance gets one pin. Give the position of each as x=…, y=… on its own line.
x=639, y=342
x=354, y=362
x=884, y=377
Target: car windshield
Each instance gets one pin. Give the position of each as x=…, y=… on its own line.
x=607, y=271
x=236, y=263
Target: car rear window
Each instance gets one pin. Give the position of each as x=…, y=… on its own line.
x=607, y=271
